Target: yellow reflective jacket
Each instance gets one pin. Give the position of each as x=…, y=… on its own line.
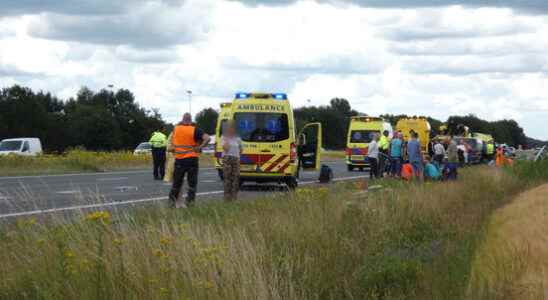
x=158, y=140
x=490, y=148
x=384, y=143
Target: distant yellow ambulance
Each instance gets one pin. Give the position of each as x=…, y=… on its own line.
x=419, y=125
x=271, y=150
x=360, y=134
x=224, y=116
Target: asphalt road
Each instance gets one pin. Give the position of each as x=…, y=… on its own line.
x=35, y=195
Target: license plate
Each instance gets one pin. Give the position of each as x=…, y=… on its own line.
x=357, y=157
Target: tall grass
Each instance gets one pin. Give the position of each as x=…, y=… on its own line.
x=512, y=261
x=404, y=241
x=77, y=160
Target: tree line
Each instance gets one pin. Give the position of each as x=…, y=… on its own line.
x=103, y=120
x=108, y=120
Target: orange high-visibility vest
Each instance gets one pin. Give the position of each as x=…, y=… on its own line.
x=499, y=158
x=183, y=141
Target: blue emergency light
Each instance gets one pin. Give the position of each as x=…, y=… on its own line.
x=279, y=96
x=242, y=95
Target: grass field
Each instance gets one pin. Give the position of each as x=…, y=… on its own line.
x=404, y=241
x=76, y=161
x=513, y=259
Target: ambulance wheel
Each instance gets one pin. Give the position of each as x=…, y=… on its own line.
x=221, y=175
x=361, y=169
x=292, y=183
x=350, y=168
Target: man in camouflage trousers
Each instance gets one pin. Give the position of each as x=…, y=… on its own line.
x=231, y=172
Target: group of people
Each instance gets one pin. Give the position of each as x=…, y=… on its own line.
x=442, y=164
x=185, y=143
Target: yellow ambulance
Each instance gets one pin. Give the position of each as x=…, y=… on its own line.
x=419, y=125
x=224, y=116
x=272, y=152
x=360, y=133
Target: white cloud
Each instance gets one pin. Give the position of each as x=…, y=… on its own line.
x=426, y=61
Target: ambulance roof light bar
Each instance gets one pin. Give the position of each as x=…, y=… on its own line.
x=277, y=96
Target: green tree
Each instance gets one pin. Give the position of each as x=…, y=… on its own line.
x=334, y=118
x=207, y=120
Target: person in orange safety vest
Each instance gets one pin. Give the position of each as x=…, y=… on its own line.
x=186, y=144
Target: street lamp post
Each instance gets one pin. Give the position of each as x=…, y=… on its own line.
x=189, y=92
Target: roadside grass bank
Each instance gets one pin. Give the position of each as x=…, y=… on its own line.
x=512, y=261
x=80, y=161
x=405, y=241
x=76, y=161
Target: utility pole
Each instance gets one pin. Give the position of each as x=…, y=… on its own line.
x=189, y=92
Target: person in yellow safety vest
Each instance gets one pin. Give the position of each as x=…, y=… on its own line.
x=384, y=145
x=186, y=143
x=158, y=142
x=490, y=151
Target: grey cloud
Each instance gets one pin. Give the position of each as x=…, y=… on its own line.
x=434, y=32
x=80, y=7
x=493, y=46
x=466, y=65
x=12, y=71
x=529, y=6
x=152, y=25
x=131, y=54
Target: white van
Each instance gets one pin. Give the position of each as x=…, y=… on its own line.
x=21, y=146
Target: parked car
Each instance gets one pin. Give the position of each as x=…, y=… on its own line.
x=143, y=148
x=21, y=146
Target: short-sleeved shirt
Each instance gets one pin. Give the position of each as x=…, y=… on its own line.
x=395, y=148
x=234, y=146
x=373, y=150
x=414, y=150
x=439, y=149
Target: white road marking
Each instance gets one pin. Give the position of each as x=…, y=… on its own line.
x=112, y=179
x=208, y=181
x=80, y=207
x=69, y=192
x=84, y=174
x=126, y=188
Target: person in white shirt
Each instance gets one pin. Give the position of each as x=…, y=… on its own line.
x=373, y=157
x=439, y=153
x=232, y=148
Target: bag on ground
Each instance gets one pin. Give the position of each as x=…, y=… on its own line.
x=326, y=174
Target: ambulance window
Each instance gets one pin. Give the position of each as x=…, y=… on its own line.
x=362, y=136
x=262, y=127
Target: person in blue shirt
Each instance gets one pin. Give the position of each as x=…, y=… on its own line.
x=431, y=171
x=414, y=154
x=396, y=155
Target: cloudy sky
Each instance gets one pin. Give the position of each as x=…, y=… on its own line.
x=428, y=57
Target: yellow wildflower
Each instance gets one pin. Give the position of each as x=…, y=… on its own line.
x=102, y=216
x=165, y=240
x=69, y=254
